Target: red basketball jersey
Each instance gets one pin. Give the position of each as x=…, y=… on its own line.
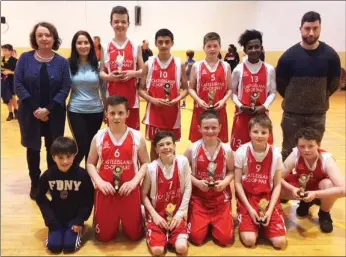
x=126, y=89
x=200, y=161
x=122, y=153
x=159, y=74
x=209, y=79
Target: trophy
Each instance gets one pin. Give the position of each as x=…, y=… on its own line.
x=119, y=61
x=211, y=97
x=211, y=173
x=254, y=97
x=262, y=205
x=117, y=172
x=167, y=89
x=170, y=208
x=303, y=181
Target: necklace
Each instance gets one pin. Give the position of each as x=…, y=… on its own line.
x=44, y=59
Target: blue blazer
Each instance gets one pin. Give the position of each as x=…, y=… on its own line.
x=27, y=84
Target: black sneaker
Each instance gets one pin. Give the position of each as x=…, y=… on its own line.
x=303, y=209
x=10, y=116
x=326, y=223
x=16, y=114
x=33, y=193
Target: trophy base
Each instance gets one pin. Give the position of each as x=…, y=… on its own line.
x=168, y=100
x=211, y=184
x=303, y=195
x=262, y=221
x=211, y=107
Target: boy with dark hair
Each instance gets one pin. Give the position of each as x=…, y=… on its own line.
x=258, y=168
x=72, y=194
x=166, y=192
x=254, y=87
x=121, y=64
x=8, y=65
x=113, y=164
x=312, y=176
x=210, y=86
x=163, y=77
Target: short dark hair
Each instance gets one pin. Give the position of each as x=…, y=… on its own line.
x=74, y=57
x=211, y=36
x=164, y=33
x=120, y=10
x=310, y=17
x=308, y=133
x=117, y=100
x=163, y=134
x=53, y=31
x=249, y=35
x=262, y=120
x=7, y=46
x=190, y=53
x=209, y=114
x=63, y=146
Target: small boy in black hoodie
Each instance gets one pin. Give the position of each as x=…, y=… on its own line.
x=72, y=194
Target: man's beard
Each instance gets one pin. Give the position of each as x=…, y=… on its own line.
x=310, y=40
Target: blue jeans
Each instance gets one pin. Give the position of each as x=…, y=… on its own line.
x=63, y=239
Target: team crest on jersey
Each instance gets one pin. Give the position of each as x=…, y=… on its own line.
x=204, y=71
x=156, y=67
x=63, y=194
x=200, y=158
x=245, y=74
x=106, y=145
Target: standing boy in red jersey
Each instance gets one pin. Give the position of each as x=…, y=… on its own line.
x=212, y=165
x=210, y=86
x=166, y=193
x=116, y=152
x=254, y=87
x=122, y=64
x=258, y=168
x=163, y=76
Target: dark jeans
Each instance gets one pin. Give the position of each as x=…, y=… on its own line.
x=84, y=126
x=33, y=156
x=292, y=122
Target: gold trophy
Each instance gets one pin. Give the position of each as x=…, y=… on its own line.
x=211, y=173
x=119, y=62
x=262, y=205
x=170, y=208
x=117, y=172
x=167, y=89
x=254, y=97
x=211, y=97
x=303, y=181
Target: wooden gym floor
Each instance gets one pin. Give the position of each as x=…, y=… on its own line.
x=23, y=231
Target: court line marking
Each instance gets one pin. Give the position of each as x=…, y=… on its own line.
x=336, y=133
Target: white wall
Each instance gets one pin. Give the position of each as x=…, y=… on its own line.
x=188, y=20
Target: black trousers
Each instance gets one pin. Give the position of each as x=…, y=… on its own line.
x=290, y=125
x=33, y=156
x=84, y=126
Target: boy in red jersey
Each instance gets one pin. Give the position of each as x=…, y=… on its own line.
x=116, y=152
x=254, y=87
x=212, y=165
x=258, y=169
x=316, y=171
x=210, y=86
x=166, y=192
x=122, y=64
x=163, y=76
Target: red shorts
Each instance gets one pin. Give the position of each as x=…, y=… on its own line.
x=220, y=218
x=110, y=209
x=133, y=120
x=150, y=132
x=240, y=131
x=157, y=236
x=195, y=135
x=275, y=228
